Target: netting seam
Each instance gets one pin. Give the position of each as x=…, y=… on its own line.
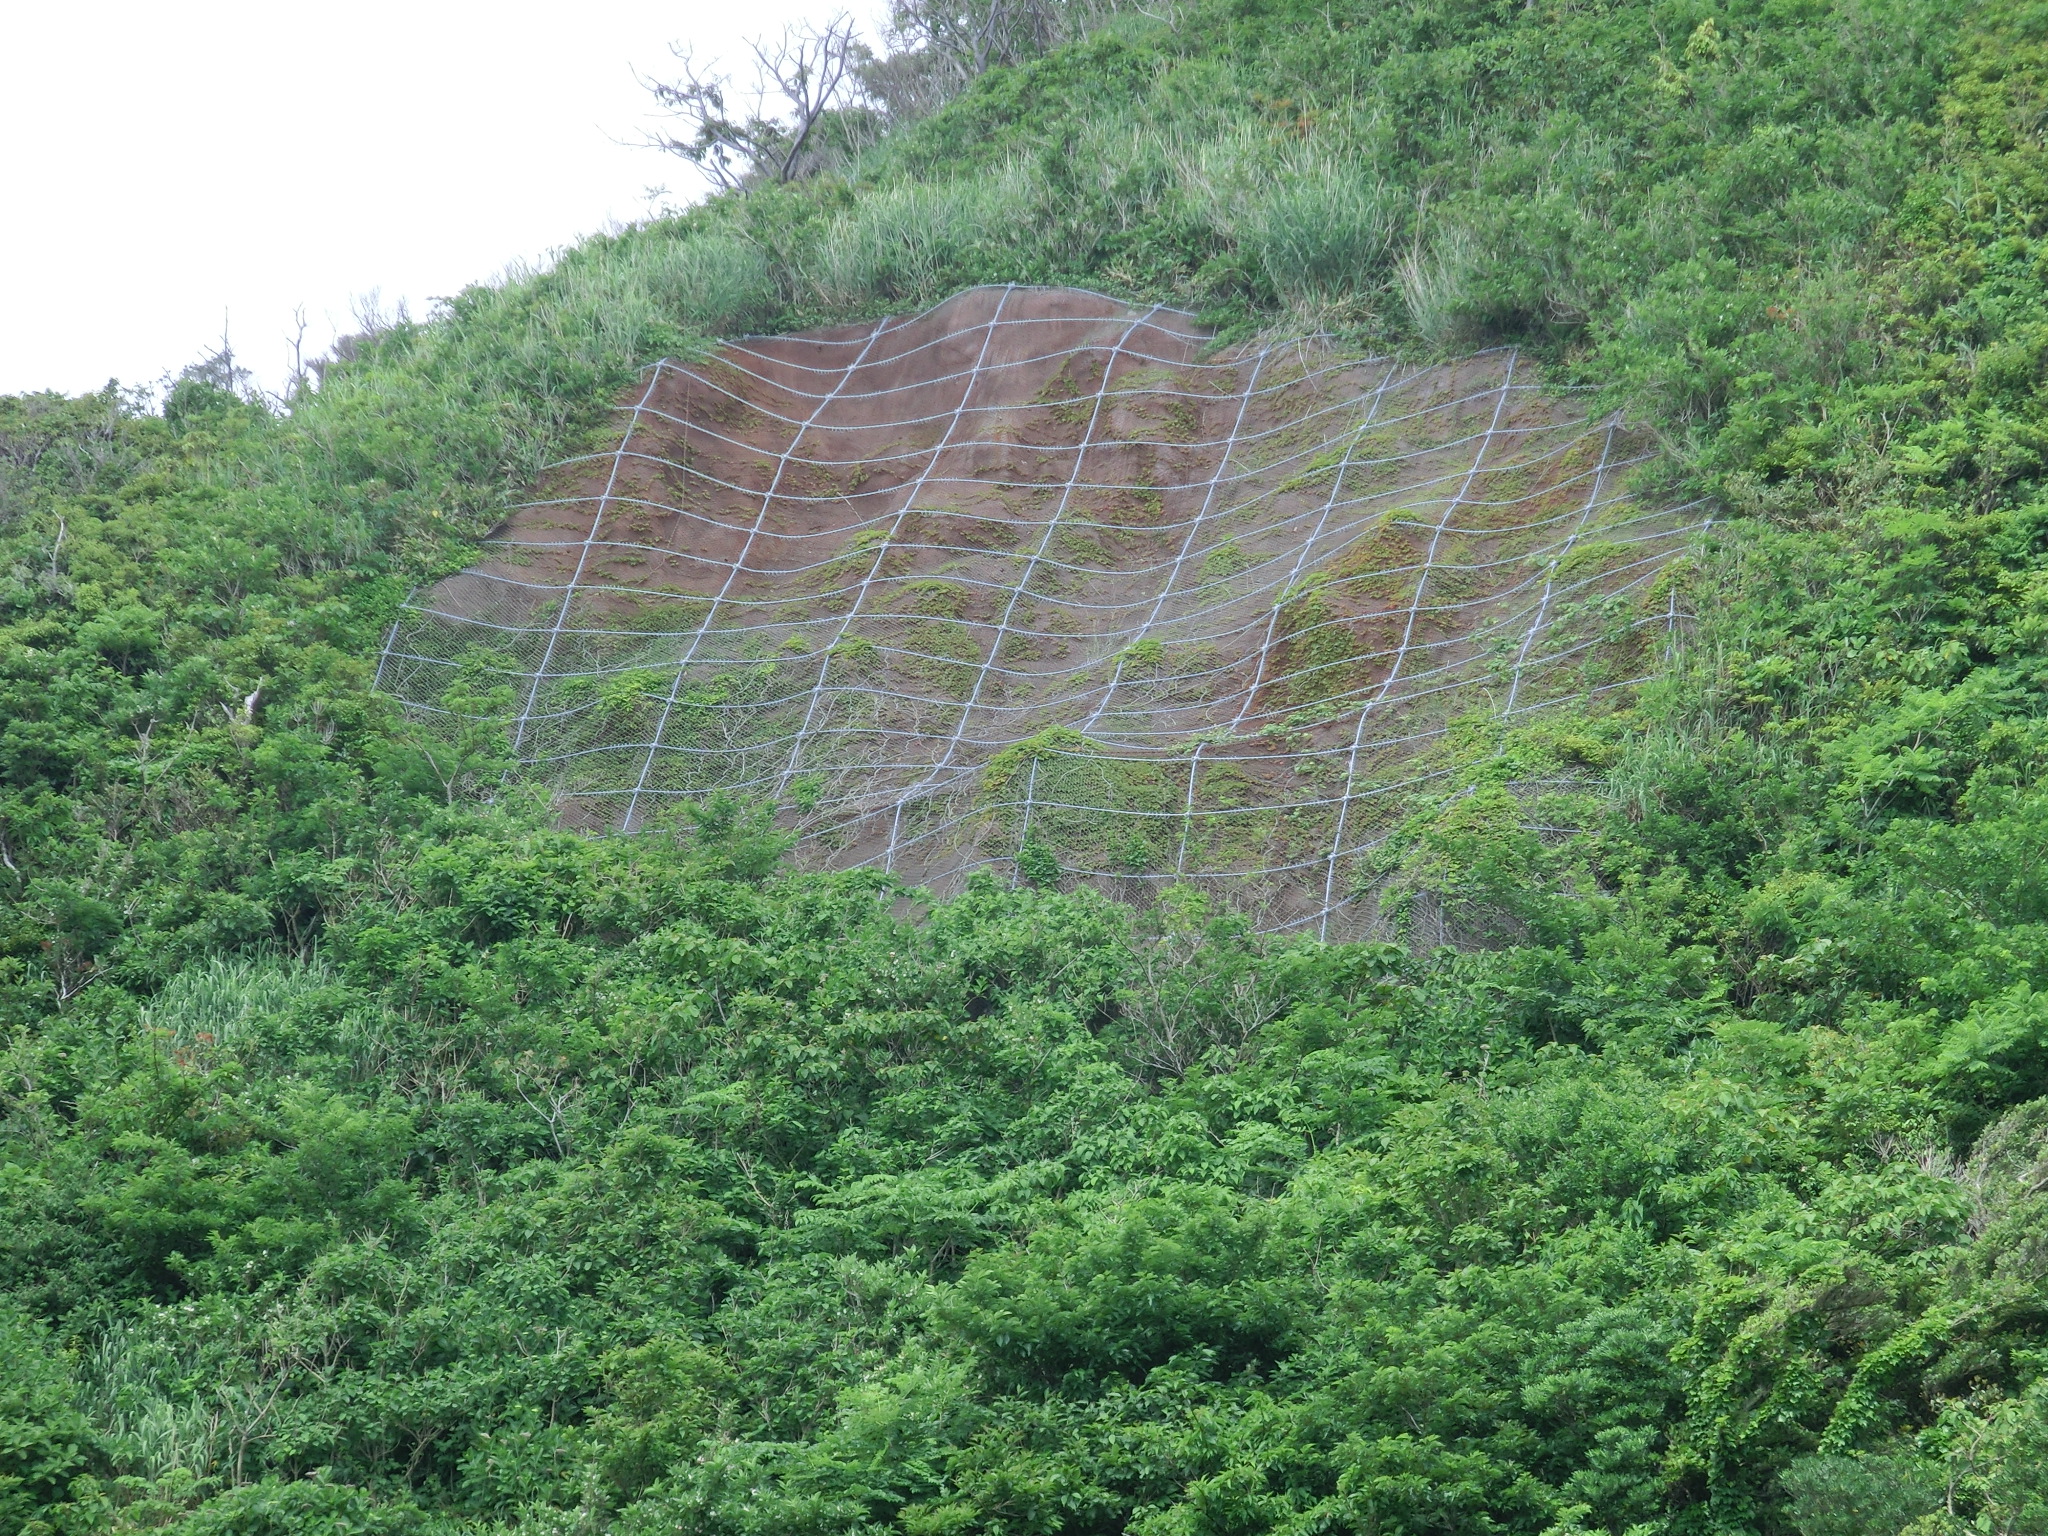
x=1550, y=571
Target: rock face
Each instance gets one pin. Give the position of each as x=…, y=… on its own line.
x=1038, y=567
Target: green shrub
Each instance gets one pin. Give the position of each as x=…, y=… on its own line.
x=46, y=1444
x=1315, y=221
x=1861, y=1495
x=913, y=244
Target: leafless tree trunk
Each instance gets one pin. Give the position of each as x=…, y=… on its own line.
x=767, y=133
x=973, y=36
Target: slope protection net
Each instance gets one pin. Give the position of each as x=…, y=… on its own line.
x=1037, y=570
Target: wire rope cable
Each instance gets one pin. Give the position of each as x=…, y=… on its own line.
x=942, y=592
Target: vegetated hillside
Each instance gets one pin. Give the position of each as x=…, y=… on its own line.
x=379, y=1157
x=1026, y=581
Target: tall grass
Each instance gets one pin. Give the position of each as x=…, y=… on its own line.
x=1605, y=203
x=602, y=307
x=216, y=1002
x=1437, y=282
x=913, y=243
x=1316, y=219
x=1129, y=172
x=437, y=420
x=133, y=1386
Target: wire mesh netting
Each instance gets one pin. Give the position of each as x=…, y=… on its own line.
x=1039, y=571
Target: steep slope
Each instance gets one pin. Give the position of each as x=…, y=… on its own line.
x=1038, y=565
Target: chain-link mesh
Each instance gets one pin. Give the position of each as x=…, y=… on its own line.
x=1037, y=568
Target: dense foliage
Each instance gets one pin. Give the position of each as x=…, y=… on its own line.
x=376, y=1157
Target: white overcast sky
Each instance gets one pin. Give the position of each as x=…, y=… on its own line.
x=172, y=165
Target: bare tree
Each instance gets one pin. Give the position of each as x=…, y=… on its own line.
x=298, y=379
x=978, y=35
x=1193, y=999
x=819, y=92
x=766, y=133
x=372, y=321
x=220, y=369
x=938, y=47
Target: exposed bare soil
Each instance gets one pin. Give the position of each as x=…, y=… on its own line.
x=1225, y=601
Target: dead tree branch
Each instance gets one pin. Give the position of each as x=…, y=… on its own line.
x=766, y=133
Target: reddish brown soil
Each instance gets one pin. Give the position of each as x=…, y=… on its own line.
x=856, y=565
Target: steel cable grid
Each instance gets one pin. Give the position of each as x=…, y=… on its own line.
x=1512, y=585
